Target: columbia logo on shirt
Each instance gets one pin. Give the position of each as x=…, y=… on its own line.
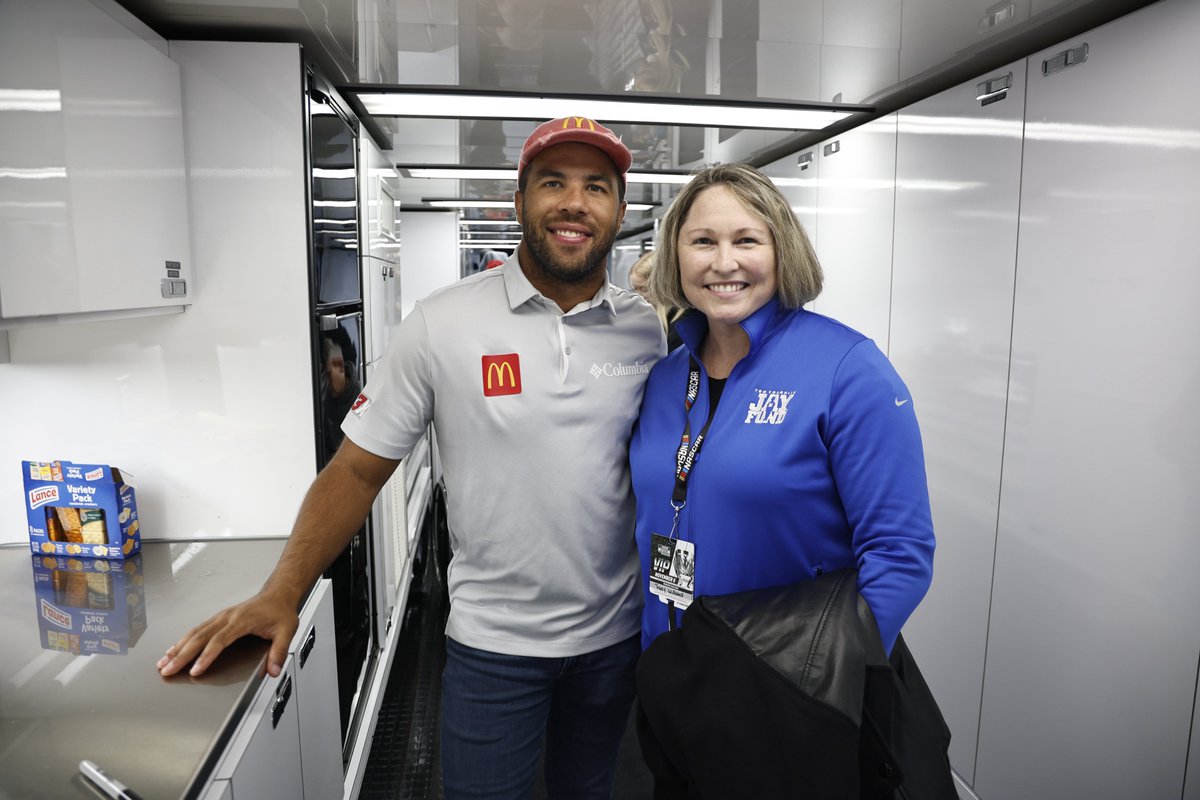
x=770, y=408
x=610, y=370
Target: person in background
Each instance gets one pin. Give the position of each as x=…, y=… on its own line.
x=777, y=444
x=639, y=276
x=545, y=605
x=339, y=384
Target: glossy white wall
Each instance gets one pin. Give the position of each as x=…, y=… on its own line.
x=431, y=258
x=1093, y=642
x=958, y=171
x=210, y=411
x=856, y=200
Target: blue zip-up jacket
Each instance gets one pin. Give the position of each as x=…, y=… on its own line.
x=813, y=463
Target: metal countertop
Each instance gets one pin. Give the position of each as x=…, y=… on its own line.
x=59, y=704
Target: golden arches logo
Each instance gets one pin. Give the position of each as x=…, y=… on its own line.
x=501, y=375
x=579, y=122
x=499, y=371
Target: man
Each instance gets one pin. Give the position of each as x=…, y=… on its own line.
x=532, y=375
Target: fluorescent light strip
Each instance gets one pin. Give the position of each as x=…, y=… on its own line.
x=509, y=204
x=492, y=106
x=482, y=174
x=490, y=242
x=30, y=100
x=33, y=173
x=464, y=222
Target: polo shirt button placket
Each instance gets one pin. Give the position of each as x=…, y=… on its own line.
x=564, y=364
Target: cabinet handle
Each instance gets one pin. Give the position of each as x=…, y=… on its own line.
x=1067, y=58
x=307, y=647
x=994, y=89
x=282, y=695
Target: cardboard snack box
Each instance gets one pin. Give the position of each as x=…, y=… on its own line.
x=80, y=510
x=89, y=605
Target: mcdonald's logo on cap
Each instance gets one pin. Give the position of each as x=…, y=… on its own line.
x=579, y=122
x=501, y=375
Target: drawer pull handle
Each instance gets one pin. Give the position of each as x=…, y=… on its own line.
x=282, y=695
x=309, y=642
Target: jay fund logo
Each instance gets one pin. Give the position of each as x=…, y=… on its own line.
x=611, y=370
x=770, y=408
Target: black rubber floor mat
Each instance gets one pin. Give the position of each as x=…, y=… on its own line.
x=404, y=763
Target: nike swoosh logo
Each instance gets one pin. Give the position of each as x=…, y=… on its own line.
x=900, y=402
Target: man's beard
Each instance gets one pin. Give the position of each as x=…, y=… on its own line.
x=537, y=240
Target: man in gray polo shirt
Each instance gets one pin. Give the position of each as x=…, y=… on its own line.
x=532, y=375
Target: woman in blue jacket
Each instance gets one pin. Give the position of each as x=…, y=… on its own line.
x=777, y=444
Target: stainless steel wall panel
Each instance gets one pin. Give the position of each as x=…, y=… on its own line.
x=958, y=169
x=1092, y=645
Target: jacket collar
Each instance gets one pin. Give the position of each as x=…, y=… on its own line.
x=759, y=326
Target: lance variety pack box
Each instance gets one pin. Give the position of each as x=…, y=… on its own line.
x=89, y=605
x=80, y=510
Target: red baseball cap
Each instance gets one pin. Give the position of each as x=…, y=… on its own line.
x=576, y=129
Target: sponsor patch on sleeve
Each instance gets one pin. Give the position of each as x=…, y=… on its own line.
x=360, y=404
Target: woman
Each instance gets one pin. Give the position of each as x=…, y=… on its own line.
x=639, y=277
x=777, y=444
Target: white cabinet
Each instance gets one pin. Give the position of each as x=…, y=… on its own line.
x=315, y=655
x=288, y=743
x=958, y=172
x=1092, y=640
x=263, y=760
x=93, y=199
x=856, y=196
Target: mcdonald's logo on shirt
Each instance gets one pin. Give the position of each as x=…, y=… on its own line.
x=501, y=375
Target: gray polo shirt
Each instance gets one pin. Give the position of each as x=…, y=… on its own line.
x=533, y=410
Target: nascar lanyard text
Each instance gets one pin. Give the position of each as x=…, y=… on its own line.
x=689, y=451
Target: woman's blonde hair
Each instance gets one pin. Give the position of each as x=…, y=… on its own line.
x=643, y=268
x=798, y=271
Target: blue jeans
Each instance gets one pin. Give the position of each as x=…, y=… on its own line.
x=497, y=709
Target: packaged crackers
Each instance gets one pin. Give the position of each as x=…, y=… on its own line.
x=80, y=510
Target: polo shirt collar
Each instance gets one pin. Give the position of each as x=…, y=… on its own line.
x=521, y=291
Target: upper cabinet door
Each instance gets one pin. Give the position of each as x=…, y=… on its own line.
x=958, y=183
x=856, y=205
x=93, y=202
x=1091, y=660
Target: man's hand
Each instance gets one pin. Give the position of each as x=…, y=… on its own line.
x=332, y=512
x=265, y=615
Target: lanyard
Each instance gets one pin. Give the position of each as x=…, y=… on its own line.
x=685, y=459
x=685, y=456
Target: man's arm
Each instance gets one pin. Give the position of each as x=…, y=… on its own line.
x=332, y=512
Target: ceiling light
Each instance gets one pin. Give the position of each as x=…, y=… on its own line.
x=707, y=110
